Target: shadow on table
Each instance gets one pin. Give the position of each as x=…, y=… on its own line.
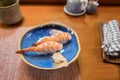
x=5, y=26
x=27, y=72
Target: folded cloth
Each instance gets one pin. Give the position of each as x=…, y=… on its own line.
x=111, y=36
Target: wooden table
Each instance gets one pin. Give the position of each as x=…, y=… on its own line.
x=90, y=62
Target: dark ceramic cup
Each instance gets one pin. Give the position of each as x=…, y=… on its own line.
x=10, y=12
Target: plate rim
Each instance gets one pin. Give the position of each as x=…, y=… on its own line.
x=42, y=25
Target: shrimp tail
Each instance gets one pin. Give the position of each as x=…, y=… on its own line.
x=42, y=41
x=25, y=50
x=34, y=44
x=19, y=51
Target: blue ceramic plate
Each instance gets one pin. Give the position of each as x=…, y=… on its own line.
x=70, y=50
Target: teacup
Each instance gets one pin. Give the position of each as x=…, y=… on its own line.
x=10, y=12
x=76, y=6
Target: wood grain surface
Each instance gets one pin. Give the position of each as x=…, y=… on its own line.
x=90, y=62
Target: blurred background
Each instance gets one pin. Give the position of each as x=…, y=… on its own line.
x=102, y=2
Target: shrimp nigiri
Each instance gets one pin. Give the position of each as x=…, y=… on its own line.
x=60, y=37
x=43, y=48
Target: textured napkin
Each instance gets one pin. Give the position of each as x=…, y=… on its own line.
x=111, y=42
x=13, y=68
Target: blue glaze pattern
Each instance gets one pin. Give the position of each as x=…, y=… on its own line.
x=69, y=51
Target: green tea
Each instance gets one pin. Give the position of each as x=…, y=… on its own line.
x=4, y=3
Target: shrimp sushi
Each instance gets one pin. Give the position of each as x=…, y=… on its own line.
x=43, y=48
x=60, y=37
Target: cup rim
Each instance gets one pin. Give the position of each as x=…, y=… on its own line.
x=17, y=1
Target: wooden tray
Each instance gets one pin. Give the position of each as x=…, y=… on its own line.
x=106, y=58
